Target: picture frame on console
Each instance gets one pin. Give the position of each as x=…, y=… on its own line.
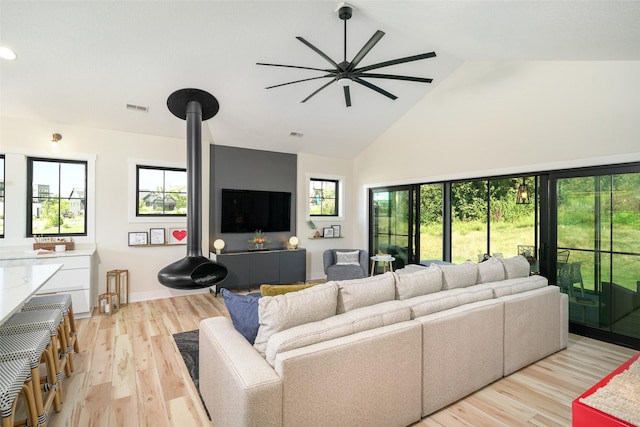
x=336, y=230
x=327, y=232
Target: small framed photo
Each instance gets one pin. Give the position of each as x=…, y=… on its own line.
x=177, y=236
x=327, y=232
x=157, y=236
x=336, y=230
x=138, y=238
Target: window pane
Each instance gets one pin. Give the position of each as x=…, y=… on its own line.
x=161, y=191
x=511, y=226
x=468, y=220
x=58, y=197
x=431, y=236
x=323, y=197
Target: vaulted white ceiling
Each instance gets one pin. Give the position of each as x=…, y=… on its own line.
x=81, y=62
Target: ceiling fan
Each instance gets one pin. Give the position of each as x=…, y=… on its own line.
x=346, y=72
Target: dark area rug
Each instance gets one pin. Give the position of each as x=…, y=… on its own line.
x=188, y=344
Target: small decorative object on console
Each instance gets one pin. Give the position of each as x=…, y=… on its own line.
x=258, y=240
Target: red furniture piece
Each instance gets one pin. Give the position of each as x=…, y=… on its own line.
x=586, y=416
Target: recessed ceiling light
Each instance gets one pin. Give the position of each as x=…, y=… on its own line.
x=296, y=134
x=8, y=54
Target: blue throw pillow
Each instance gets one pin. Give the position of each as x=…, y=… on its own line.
x=243, y=310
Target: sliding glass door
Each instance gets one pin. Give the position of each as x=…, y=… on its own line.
x=392, y=217
x=597, y=233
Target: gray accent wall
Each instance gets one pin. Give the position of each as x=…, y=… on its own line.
x=245, y=169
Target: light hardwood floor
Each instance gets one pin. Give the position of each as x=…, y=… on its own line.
x=129, y=373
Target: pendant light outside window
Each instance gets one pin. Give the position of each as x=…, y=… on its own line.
x=524, y=194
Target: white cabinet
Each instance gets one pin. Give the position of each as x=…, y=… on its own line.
x=74, y=278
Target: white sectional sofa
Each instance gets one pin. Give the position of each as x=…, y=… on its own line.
x=385, y=350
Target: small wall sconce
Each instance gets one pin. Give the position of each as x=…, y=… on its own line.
x=219, y=245
x=293, y=242
x=55, y=138
x=524, y=194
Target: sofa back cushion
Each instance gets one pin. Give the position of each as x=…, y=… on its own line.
x=459, y=275
x=444, y=300
x=515, y=267
x=421, y=281
x=371, y=290
x=490, y=270
x=516, y=286
x=351, y=322
x=282, y=312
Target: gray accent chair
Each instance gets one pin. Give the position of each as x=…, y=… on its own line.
x=344, y=272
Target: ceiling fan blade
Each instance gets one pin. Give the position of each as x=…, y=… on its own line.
x=318, y=51
x=347, y=96
x=397, y=61
x=374, y=87
x=295, y=66
x=395, y=77
x=365, y=49
x=322, y=87
x=298, y=81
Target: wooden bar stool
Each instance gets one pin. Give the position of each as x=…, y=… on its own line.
x=48, y=320
x=36, y=348
x=64, y=303
x=15, y=381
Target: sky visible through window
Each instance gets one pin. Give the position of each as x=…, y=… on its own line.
x=61, y=178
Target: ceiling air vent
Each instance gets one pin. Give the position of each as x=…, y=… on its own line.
x=137, y=108
x=296, y=134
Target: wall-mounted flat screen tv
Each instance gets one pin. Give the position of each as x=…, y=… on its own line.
x=245, y=211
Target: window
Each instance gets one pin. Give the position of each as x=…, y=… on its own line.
x=323, y=197
x=161, y=191
x=56, y=197
x=1, y=195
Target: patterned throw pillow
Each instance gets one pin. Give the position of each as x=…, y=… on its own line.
x=348, y=258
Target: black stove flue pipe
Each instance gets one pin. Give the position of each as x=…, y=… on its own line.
x=193, y=271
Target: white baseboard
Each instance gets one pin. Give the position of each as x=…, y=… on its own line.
x=164, y=293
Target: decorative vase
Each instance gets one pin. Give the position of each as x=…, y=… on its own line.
x=258, y=246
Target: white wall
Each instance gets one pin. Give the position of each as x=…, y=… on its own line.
x=109, y=221
x=324, y=167
x=508, y=117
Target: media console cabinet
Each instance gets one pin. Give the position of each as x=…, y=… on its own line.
x=254, y=268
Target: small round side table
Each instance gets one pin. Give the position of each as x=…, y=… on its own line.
x=384, y=260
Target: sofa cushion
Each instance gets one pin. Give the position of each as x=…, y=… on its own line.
x=515, y=267
x=516, y=286
x=490, y=270
x=243, y=310
x=357, y=320
x=282, y=312
x=422, y=281
x=444, y=300
x=272, y=290
x=366, y=291
x=347, y=258
x=459, y=275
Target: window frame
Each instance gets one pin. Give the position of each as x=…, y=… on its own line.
x=164, y=169
x=29, y=199
x=337, y=199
